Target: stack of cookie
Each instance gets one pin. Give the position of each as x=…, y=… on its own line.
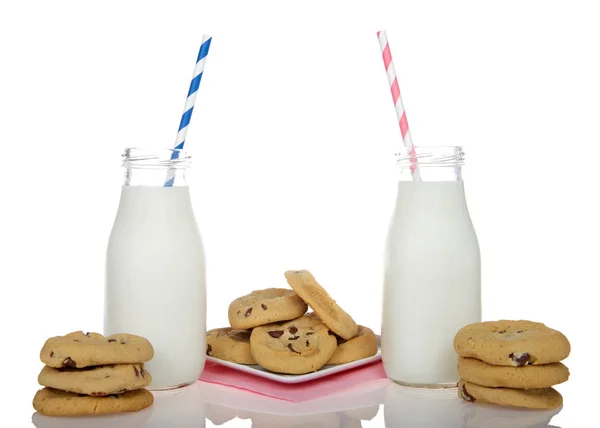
x=271, y=328
x=89, y=374
x=511, y=363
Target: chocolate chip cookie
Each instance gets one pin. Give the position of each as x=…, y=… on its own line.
x=304, y=283
x=264, y=307
x=96, y=381
x=78, y=350
x=229, y=345
x=542, y=398
x=299, y=346
x=484, y=374
x=512, y=343
x=52, y=402
x=364, y=345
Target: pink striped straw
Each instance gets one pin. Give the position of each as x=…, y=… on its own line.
x=400, y=113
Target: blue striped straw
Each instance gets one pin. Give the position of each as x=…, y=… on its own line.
x=189, y=104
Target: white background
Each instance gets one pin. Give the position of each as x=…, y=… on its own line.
x=293, y=138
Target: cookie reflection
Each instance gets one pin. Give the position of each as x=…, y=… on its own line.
x=413, y=407
x=183, y=407
x=344, y=419
x=128, y=420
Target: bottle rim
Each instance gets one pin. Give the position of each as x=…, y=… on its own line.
x=138, y=157
x=431, y=156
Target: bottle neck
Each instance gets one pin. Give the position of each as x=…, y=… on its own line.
x=155, y=168
x=430, y=164
x=154, y=177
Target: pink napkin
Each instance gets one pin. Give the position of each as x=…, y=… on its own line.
x=343, y=381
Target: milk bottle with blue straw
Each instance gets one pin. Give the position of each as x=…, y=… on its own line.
x=155, y=268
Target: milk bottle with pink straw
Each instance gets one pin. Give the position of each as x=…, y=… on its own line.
x=155, y=270
x=432, y=282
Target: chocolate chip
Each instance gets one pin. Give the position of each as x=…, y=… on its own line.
x=262, y=305
x=310, y=333
x=520, y=331
x=208, y=350
x=466, y=396
x=291, y=348
x=88, y=334
x=503, y=331
x=293, y=330
x=307, y=344
x=137, y=373
x=520, y=359
x=51, y=354
x=112, y=340
x=276, y=333
x=68, y=362
x=248, y=312
x=294, y=338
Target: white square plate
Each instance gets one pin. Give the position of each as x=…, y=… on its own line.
x=257, y=370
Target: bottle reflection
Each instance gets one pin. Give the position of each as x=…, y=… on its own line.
x=219, y=415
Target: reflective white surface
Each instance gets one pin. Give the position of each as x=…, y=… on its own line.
x=378, y=401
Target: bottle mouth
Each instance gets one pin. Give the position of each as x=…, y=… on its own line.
x=430, y=156
x=134, y=157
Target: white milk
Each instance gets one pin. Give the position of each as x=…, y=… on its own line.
x=155, y=281
x=432, y=282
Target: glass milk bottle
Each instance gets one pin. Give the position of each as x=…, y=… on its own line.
x=155, y=269
x=432, y=284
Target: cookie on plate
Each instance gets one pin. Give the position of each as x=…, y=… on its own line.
x=324, y=306
x=484, y=374
x=299, y=346
x=78, y=350
x=264, y=307
x=96, y=381
x=363, y=345
x=512, y=343
x=540, y=398
x=52, y=402
x=229, y=345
